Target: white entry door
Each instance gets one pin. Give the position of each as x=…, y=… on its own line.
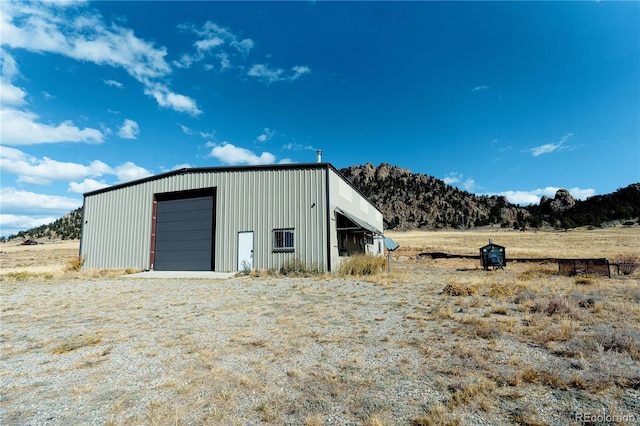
x=245, y=251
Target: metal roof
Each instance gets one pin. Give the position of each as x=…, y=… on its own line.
x=187, y=170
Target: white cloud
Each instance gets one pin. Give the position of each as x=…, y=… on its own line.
x=209, y=43
x=114, y=83
x=185, y=130
x=129, y=129
x=9, y=65
x=469, y=185
x=452, y=178
x=86, y=185
x=13, y=200
x=208, y=135
x=44, y=171
x=520, y=197
x=82, y=35
x=550, y=147
x=10, y=94
x=533, y=196
x=129, y=171
x=265, y=135
x=11, y=224
x=243, y=46
x=480, y=88
x=225, y=62
x=299, y=71
x=455, y=179
x=271, y=75
x=167, y=99
x=292, y=146
x=182, y=166
x=213, y=40
x=263, y=72
x=23, y=128
x=232, y=155
x=40, y=28
x=213, y=35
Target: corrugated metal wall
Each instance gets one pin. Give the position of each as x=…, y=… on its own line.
x=117, y=228
x=344, y=197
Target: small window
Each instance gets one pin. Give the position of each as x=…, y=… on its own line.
x=283, y=240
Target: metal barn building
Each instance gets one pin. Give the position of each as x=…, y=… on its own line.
x=228, y=219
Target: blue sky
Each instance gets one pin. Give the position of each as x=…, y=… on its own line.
x=511, y=98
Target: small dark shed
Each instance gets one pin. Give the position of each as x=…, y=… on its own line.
x=493, y=256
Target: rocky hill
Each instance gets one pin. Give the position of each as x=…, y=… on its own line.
x=417, y=201
x=67, y=227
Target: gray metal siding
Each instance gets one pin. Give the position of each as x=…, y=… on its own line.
x=118, y=223
x=116, y=232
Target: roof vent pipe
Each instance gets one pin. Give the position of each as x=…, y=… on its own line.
x=319, y=154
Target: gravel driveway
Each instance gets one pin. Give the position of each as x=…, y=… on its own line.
x=276, y=350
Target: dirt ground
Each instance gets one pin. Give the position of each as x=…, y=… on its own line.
x=437, y=342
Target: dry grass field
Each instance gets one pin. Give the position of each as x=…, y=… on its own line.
x=579, y=243
x=437, y=342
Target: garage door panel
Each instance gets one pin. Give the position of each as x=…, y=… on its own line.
x=184, y=234
x=184, y=225
x=177, y=236
x=176, y=215
x=194, y=255
x=183, y=245
x=185, y=204
x=182, y=265
x=179, y=215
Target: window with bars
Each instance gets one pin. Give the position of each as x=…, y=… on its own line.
x=283, y=240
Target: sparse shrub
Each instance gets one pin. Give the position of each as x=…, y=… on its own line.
x=463, y=393
x=625, y=340
x=530, y=274
x=75, y=264
x=555, y=305
x=297, y=266
x=500, y=310
x=482, y=328
x=362, y=264
x=627, y=263
x=455, y=289
x=436, y=415
x=499, y=291
x=74, y=343
x=584, y=280
x=21, y=276
x=585, y=301
x=525, y=296
x=245, y=267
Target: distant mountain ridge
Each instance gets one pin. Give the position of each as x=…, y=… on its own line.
x=417, y=201
x=68, y=227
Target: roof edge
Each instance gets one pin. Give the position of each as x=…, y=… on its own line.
x=186, y=170
x=289, y=166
